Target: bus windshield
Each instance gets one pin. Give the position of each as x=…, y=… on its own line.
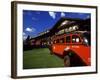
x=87, y=38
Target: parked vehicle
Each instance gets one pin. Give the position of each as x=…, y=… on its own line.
x=73, y=47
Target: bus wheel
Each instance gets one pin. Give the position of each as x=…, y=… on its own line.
x=67, y=62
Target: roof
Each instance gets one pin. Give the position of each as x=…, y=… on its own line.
x=78, y=32
x=59, y=22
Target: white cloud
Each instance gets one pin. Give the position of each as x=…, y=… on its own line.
x=52, y=14
x=34, y=19
x=30, y=29
x=62, y=14
x=24, y=37
x=24, y=33
x=88, y=17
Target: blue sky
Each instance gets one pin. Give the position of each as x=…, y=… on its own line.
x=35, y=22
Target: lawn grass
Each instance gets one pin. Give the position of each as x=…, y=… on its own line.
x=41, y=58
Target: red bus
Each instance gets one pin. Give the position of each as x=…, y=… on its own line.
x=73, y=47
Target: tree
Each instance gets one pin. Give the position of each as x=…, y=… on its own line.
x=28, y=38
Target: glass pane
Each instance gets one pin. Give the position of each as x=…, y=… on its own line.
x=68, y=39
x=75, y=39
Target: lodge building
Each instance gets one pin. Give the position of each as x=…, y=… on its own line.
x=64, y=25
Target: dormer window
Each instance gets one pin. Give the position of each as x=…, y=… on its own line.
x=64, y=23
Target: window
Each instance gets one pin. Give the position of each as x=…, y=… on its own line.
x=54, y=41
x=76, y=39
x=87, y=38
x=68, y=39
x=62, y=40
x=64, y=23
x=57, y=41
